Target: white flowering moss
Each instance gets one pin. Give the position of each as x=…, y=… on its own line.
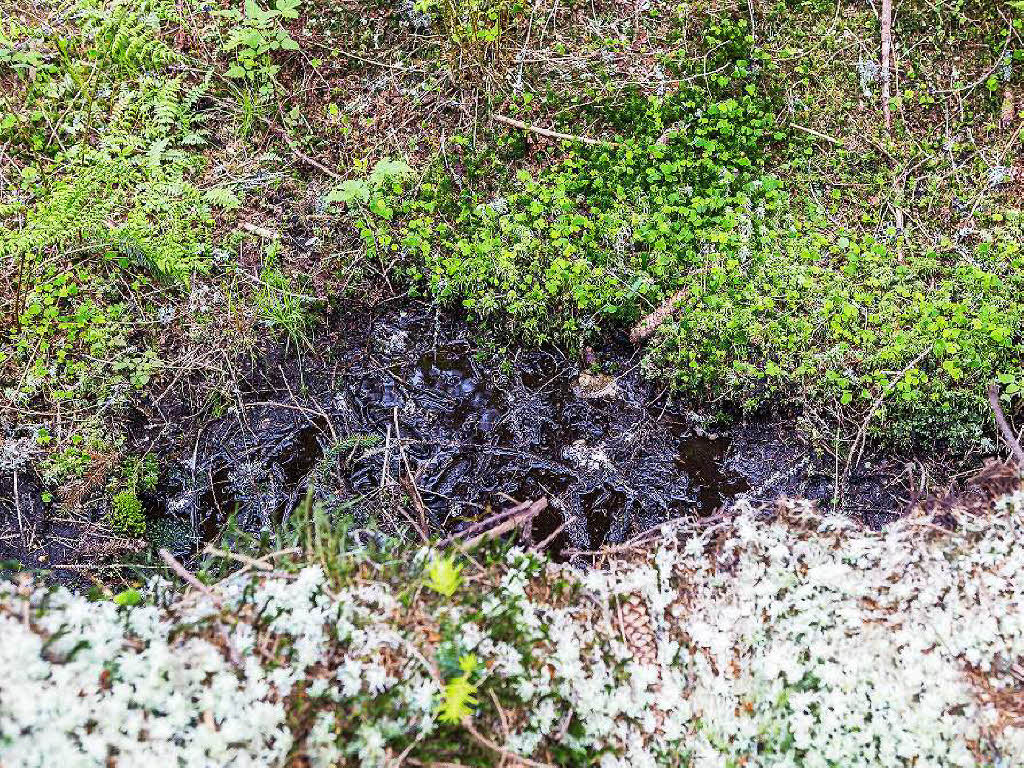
x=783, y=640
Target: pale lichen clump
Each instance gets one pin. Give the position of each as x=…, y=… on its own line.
x=779, y=638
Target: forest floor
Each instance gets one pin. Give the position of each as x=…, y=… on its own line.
x=668, y=253
x=489, y=382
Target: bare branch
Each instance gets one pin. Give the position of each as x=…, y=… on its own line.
x=552, y=134
x=1004, y=425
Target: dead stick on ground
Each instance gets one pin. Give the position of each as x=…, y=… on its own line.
x=541, y=546
x=17, y=506
x=484, y=741
x=552, y=134
x=886, y=60
x=256, y=229
x=649, y=324
x=818, y=134
x=861, y=437
x=300, y=154
x=410, y=486
x=180, y=569
x=484, y=525
x=1004, y=425
x=520, y=519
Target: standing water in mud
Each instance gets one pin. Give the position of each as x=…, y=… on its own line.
x=403, y=405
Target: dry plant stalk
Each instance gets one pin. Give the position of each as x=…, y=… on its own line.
x=653, y=321
x=886, y=60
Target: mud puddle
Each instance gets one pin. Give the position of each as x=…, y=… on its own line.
x=407, y=395
x=402, y=403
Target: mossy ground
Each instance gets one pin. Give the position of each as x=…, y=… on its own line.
x=180, y=178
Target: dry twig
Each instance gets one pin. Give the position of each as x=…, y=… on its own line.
x=190, y=579
x=886, y=60
x=552, y=134
x=1004, y=426
x=646, y=327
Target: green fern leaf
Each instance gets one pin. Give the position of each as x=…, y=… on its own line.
x=222, y=197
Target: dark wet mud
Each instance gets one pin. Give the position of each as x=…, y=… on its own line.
x=405, y=404
x=408, y=405
x=401, y=421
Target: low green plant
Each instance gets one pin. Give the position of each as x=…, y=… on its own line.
x=254, y=35
x=603, y=232
x=472, y=30
x=370, y=201
x=129, y=597
x=458, y=697
x=107, y=208
x=125, y=516
x=279, y=305
x=444, y=576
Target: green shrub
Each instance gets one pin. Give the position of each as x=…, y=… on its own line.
x=605, y=233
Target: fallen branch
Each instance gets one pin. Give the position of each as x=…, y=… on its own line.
x=1004, y=425
x=485, y=527
x=484, y=524
x=552, y=134
x=818, y=134
x=299, y=153
x=256, y=229
x=522, y=518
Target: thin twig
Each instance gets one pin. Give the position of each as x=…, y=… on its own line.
x=408, y=482
x=542, y=545
x=484, y=524
x=300, y=154
x=484, y=741
x=17, y=506
x=521, y=518
x=886, y=60
x=818, y=134
x=180, y=569
x=1004, y=425
x=861, y=436
x=552, y=134
x=260, y=563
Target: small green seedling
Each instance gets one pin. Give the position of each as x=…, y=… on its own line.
x=459, y=696
x=444, y=576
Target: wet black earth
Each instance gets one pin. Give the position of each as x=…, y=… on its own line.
x=398, y=404
x=407, y=397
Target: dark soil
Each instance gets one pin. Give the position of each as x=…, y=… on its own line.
x=401, y=401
